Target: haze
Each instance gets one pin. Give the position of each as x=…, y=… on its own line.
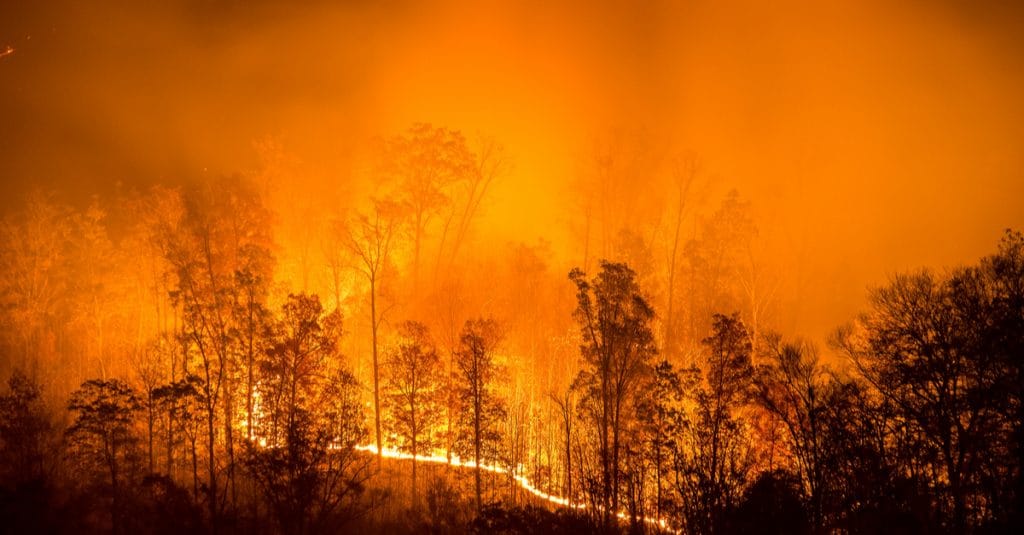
x=868, y=137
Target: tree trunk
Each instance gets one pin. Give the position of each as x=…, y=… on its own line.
x=149, y=424
x=376, y=370
x=414, y=453
x=212, y=467
x=476, y=449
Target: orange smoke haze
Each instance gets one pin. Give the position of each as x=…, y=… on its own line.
x=870, y=138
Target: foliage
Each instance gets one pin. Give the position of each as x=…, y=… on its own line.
x=618, y=347
x=483, y=408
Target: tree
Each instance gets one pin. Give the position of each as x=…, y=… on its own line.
x=152, y=363
x=792, y=387
x=683, y=176
x=181, y=404
x=716, y=264
x=926, y=347
x=484, y=410
x=219, y=254
x=489, y=163
x=716, y=459
x=23, y=431
x=618, y=347
x=314, y=480
x=413, y=390
x=867, y=487
x=28, y=486
x=424, y=163
x=34, y=285
x=294, y=368
x=1003, y=303
x=102, y=438
x=565, y=406
x=370, y=239
x=663, y=416
x=310, y=420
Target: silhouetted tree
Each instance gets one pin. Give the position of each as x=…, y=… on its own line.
x=484, y=410
x=663, y=414
x=304, y=460
x=220, y=249
x=413, y=390
x=792, y=388
x=294, y=368
x=618, y=346
x=24, y=430
x=102, y=439
x=182, y=407
x=424, y=163
x=716, y=460
x=923, y=347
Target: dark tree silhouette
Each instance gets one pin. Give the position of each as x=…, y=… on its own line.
x=923, y=348
x=102, y=440
x=717, y=459
x=792, y=387
x=413, y=390
x=618, y=347
x=24, y=430
x=303, y=459
x=484, y=410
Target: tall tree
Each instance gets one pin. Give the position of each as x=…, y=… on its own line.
x=618, y=347
x=182, y=407
x=294, y=367
x=34, y=288
x=1004, y=273
x=490, y=162
x=314, y=480
x=663, y=416
x=221, y=246
x=370, y=239
x=717, y=458
x=484, y=410
x=413, y=390
x=24, y=430
x=684, y=174
x=716, y=260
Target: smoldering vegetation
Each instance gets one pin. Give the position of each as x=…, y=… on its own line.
x=195, y=358
x=678, y=268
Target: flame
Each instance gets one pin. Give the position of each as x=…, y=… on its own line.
x=523, y=482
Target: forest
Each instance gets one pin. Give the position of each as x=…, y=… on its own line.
x=511, y=267
x=172, y=368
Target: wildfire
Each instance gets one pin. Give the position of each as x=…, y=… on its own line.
x=523, y=482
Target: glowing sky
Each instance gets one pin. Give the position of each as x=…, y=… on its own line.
x=871, y=137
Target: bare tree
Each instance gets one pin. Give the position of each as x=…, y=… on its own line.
x=370, y=239
x=793, y=388
x=484, y=409
x=684, y=174
x=413, y=388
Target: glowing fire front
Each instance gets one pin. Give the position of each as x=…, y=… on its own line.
x=523, y=482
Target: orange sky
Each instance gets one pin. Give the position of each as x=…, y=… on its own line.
x=870, y=138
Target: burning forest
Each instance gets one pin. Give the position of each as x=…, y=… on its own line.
x=511, y=268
